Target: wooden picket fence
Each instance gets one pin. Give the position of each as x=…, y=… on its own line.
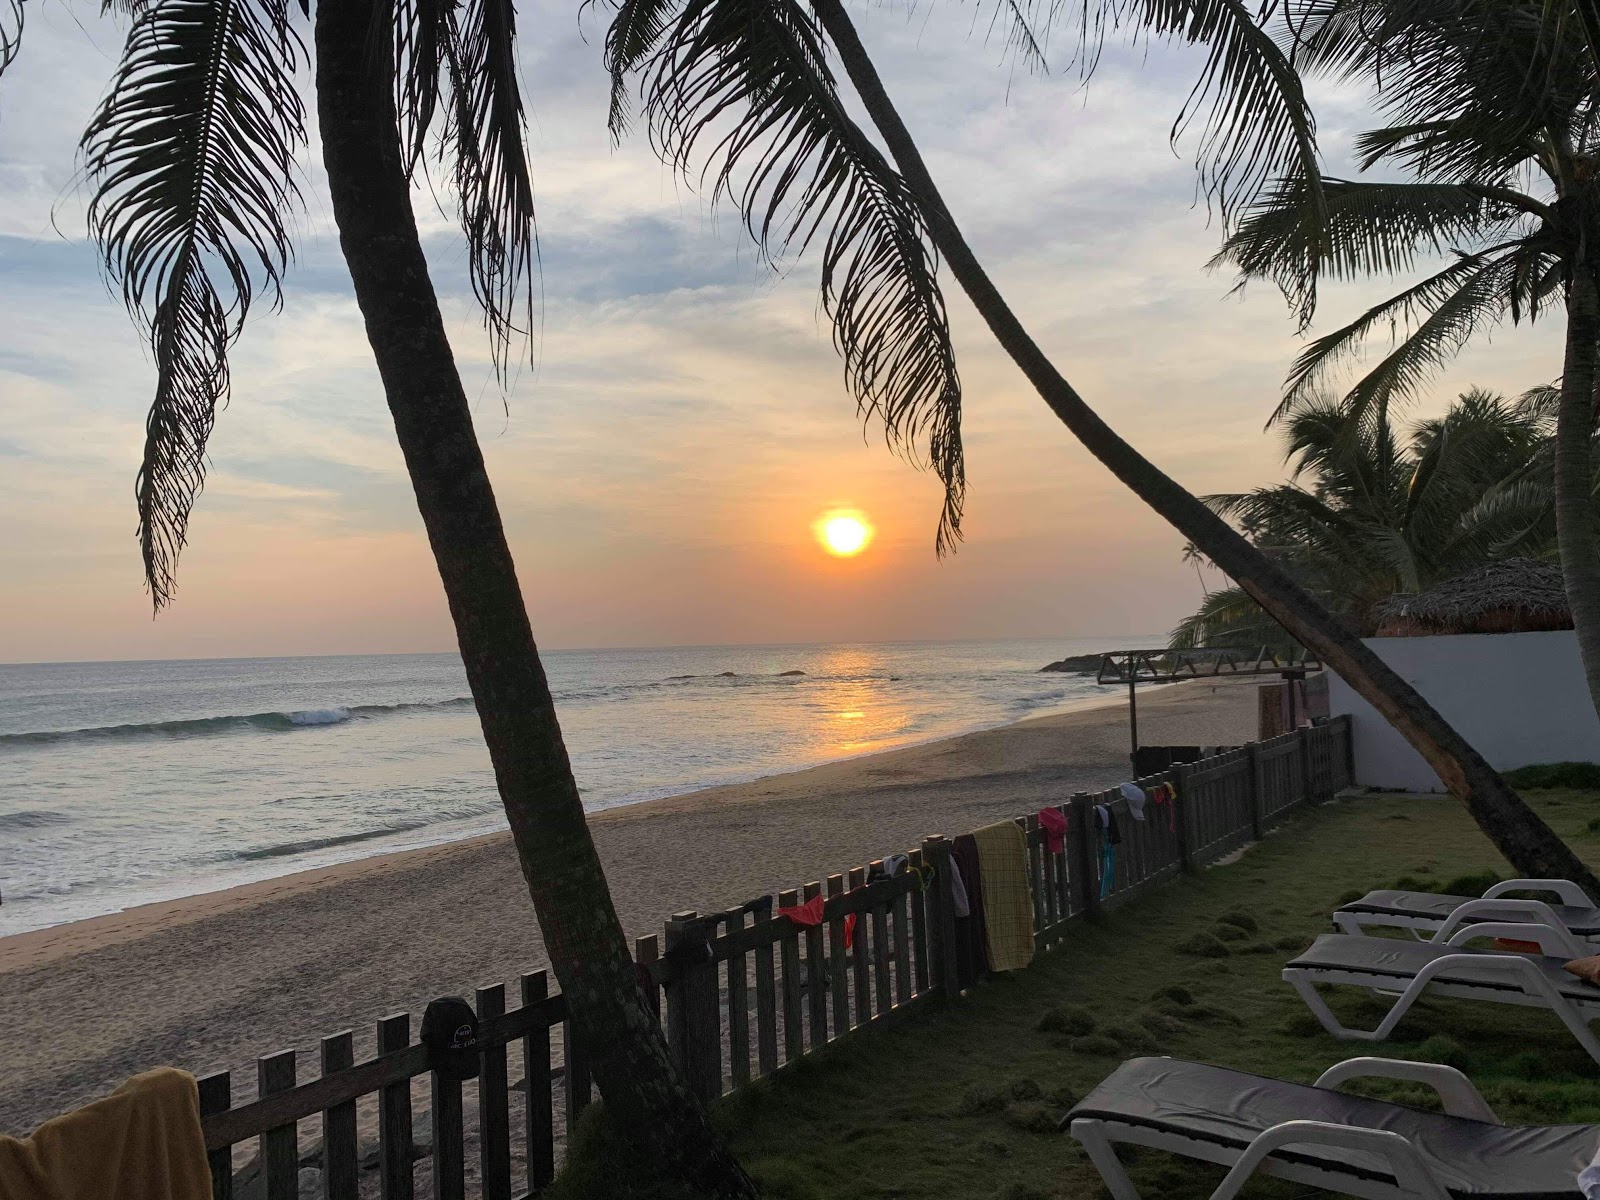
x=741, y=992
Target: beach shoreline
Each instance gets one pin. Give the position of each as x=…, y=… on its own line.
x=209, y=981
x=33, y=946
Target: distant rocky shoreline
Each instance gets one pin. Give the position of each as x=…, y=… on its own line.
x=1075, y=664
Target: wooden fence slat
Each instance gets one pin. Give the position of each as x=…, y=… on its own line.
x=738, y=1010
x=816, y=976
x=1080, y=844
x=537, y=1107
x=647, y=952
x=919, y=923
x=216, y=1095
x=395, y=1179
x=941, y=916
x=880, y=952
x=449, y=1138
x=766, y=1011
x=902, y=949
x=838, y=970
x=494, y=1103
x=280, y=1145
x=340, y=1180
x=793, y=1008
x=858, y=955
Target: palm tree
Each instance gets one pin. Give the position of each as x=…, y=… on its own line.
x=1492, y=116
x=192, y=154
x=1366, y=514
x=750, y=83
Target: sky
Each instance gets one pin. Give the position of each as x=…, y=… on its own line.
x=684, y=420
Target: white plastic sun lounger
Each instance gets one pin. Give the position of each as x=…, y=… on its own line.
x=1427, y=912
x=1315, y=1135
x=1407, y=969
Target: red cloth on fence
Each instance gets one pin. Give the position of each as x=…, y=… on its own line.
x=1053, y=823
x=809, y=915
x=1165, y=793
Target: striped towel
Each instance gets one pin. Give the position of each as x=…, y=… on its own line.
x=1007, y=894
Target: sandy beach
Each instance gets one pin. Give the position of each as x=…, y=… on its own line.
x=212, y=981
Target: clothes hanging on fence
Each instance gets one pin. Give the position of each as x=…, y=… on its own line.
x=142, y=1142
x=808, y=914
x=1007, y=895
x=1134, y=795
x=1053, y=824
x=972, y=952
x=958, y=890
x=1165, y=795
x=1110, y=838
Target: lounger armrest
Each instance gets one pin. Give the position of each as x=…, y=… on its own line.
x=1535, y=911
x=1457, y=1093
x=1411, y=1173
x=1569, y=892
x=1556, y=943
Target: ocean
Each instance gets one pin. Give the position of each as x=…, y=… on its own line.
x=131, y=782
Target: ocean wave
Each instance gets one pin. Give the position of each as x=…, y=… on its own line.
x=287, y=849
x=267, y=722
x=32, y=818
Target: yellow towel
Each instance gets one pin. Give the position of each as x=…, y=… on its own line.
x=1007, y=894
x=142, y=1142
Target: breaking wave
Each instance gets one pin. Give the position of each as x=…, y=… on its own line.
x=267, y=722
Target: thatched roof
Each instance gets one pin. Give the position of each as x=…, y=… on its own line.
x=1515, y=595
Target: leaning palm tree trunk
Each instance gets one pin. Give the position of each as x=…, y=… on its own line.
x=377, y=231
x=1575, y=522
x=1529, y=844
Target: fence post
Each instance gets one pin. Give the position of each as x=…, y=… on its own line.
x=1308, y=787
x=1347, y=723
x=1183, y=802
x=1257, y=816
x=693, y=1030
x=942, y=915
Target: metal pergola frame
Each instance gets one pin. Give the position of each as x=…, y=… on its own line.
x=1134, y=667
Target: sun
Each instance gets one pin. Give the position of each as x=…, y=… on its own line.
x=844, y=532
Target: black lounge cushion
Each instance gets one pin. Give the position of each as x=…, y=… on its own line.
x=1585, y=922
x=1402, y=958
x=1229, y=1108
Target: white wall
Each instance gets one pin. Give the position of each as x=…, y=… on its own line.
x=1520, y=698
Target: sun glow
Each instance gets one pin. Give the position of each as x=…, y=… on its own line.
x=844, y=533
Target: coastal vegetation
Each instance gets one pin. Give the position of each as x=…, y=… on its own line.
x=1370, y=510
x=1491, y=134
x=963, y=1100
x=746, y=98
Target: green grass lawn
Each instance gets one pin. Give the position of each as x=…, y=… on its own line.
x=962, y=1099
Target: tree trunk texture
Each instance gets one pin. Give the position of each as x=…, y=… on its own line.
x=1527, y=842
x=643, y=1090
x=1575, y=520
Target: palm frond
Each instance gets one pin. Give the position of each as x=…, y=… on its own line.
x=455, y=65
x=1480, y=299
x=11, y=15
x=1254, y=122
x=635, y=33
x=1228, y=617
x=1368, y=228
x=748, y=86
x=191, y=153
x=485, y=138
x=1474, y=273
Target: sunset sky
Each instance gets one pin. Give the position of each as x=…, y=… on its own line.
x=662, y=467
